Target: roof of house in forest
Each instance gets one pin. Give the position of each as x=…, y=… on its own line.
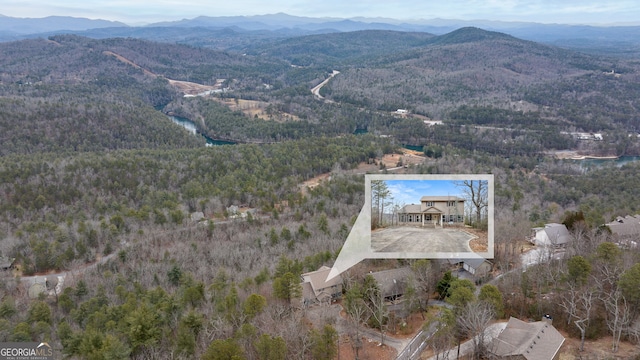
x=451, y=261
x=392, y=281
x=557, y=233
x=307, y=291
x=625, y=226
x=318, y=279
x=476, y=263
x=533, y=340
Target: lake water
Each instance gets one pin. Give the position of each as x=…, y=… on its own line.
x=413, y=147
x=185, y=123
x=191, y=127
x=622, y=160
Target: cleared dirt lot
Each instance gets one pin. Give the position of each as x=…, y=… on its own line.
x=421, y=240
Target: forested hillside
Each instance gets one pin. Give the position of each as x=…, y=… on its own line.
x=76, y=58
x=468, y=77
x=342, y=49
x=163, y=247
x=72, y=93
x=474, y=67
x=59, y=96
x=114, y=194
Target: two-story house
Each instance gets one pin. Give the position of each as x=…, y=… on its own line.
x=433, y=210
x=316, y=288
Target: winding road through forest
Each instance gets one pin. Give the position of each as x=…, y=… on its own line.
x=316, y=90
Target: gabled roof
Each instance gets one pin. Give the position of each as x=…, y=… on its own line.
x=625, y=226
x=432, y=210
x=318, y=279
x=454, y=261
x=534, y=341
x=392, y=282
x=412, y=208
x=440, y=198
x=476, y=263
x=557, y=233
x=307, y=291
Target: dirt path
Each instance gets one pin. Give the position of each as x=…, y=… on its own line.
x=251, y=108
x=313, y=182
x=127, y=61
x=189, y=88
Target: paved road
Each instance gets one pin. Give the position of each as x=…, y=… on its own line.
x=417, y=344
x=374, y=335
x=414, y=239
x=414, y=348
x=316, y=90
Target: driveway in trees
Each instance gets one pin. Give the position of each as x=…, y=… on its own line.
x=420, y=240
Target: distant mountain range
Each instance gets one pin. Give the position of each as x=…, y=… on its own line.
x=25, y=26
x=622, y=38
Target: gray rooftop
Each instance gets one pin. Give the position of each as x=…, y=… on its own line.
x=625, y=226
x=412, y=208
x=391, y=282
x=475, y=263
x=318, y=279
x=440, y=198
x=534, y=341
x=557, y=233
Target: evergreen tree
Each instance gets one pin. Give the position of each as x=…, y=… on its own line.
x=287, y=287
x=324, y=343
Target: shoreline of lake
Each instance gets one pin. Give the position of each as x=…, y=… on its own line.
x=190, y=126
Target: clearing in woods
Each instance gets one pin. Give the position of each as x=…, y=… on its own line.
x=251, y=108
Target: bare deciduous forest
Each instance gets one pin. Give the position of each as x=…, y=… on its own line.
x=143, y=243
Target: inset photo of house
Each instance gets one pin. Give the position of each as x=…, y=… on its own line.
x=437, y=216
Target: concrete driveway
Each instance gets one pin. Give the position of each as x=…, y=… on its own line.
x=420, y=240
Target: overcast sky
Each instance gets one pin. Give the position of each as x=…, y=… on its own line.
x=140, y=11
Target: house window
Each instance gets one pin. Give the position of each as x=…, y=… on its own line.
x=451, y=218
x=459, y=218
x=429, y=203
x=451, y=203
